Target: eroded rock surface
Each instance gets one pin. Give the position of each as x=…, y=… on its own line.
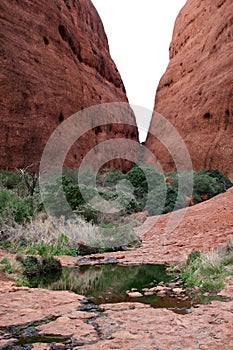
x=119, y=326
x=133, y=325
x=55, y=61
x=196, y=92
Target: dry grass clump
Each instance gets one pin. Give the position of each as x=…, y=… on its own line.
x=60, y=236
x=11, y=265
x=209, y=269
x=210, y=262
x=48, y=229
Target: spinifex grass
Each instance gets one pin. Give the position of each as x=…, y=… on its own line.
x=208, y=270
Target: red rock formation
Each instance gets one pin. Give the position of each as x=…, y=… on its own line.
x=196, y=92
x=55, y=61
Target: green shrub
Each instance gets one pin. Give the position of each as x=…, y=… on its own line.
x=86, y=176
x=31, y=266
x=76, y=196
x=50, y=265
x=38, y=266
x=5, y=197
x=55, y=190
x=71, y=174
x=5, y=265
x=113, y=177
x=10, y=179
x=22, y=209
x=144, y=178
x=163, y=200
x=138, y=179
x=156, y=201
x=221, y=180
x=209, y=182
x=172, y=200
x=128, y=203
x=143, y=187
x=125, y=202
x=88, y=212
x=72, y=192
x=14, y=208
x=193, y=256
x=204, y=184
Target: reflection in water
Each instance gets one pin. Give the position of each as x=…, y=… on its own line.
x=109, y=283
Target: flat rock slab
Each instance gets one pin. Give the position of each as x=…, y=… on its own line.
x=119, y=326
x=20, y=305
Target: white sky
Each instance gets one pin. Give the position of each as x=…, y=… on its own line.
x=139, y=34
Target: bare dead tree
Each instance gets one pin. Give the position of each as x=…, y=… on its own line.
x=30, y=178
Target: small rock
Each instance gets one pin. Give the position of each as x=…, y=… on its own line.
x=40, y=346
x=184, y=298
x=157, y=289
x=134, y=294
x=97, y=256
x=120, y=256
x=147, y=294
x=161, y=283
x=134, y=289
x=63, y=319
x=204, y=347
x=196, y=288
x=178, y=290
x=58, y=346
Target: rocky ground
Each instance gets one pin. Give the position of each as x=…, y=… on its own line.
x=129, y=325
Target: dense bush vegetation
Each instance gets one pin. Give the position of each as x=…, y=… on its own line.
x=142, y=188
x=19, y=199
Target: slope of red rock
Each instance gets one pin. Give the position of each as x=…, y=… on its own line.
x=55, y=61
x=196, y=92
x=204, y=226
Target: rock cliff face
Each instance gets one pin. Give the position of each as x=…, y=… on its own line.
x=196, y=92
x=55, y=61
